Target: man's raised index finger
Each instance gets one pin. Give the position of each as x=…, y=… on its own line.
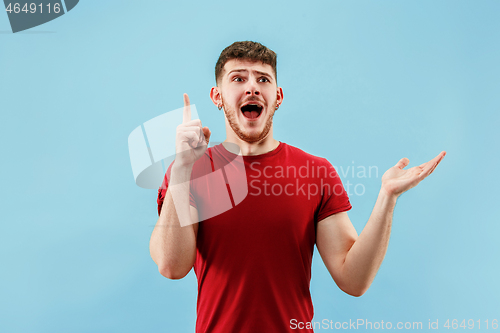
x=186, y=115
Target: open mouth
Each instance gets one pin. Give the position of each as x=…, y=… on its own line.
x=251, y=111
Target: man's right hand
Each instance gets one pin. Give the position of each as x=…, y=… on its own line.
x=191, y=140
x=173, y=241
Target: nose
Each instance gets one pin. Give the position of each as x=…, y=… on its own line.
x=252, y=88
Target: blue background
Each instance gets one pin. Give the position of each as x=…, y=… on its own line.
x=365, y=84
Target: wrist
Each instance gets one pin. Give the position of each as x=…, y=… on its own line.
x=385, y=193
x=180, y=173
x=179, y=166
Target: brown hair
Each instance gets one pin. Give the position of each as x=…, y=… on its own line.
x=246, y=50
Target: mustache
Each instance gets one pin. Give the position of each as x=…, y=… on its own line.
x=254, y=99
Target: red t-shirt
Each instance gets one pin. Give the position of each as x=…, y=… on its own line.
x=253, y=260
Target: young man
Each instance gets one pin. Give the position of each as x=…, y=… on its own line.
x=253, y=260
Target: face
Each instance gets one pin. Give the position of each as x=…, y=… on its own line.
x=248, y=93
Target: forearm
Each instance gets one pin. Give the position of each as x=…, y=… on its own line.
x=367, y=253
x=173, y=247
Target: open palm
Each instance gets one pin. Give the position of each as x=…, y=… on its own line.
x=396, y=180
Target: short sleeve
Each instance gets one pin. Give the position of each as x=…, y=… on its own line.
x=334, y=198
x=163, y=190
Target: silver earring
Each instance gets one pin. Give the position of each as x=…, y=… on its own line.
x=219, y=106
x=277, y=106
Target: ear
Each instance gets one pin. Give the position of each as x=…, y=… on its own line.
x=279, y=95
x=215, y=96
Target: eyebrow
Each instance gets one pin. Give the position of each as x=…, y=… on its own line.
x=245, y=70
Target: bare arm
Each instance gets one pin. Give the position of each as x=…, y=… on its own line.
x=173, y=247
x=173, y=241
x=354, y=261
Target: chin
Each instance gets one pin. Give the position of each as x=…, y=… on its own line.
x=250, y=131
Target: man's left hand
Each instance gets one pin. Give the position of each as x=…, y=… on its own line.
x=396, y=180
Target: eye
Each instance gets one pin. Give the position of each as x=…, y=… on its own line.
x=237, y=79
x=264, y=78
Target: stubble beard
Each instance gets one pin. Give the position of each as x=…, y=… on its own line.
x=250, y=138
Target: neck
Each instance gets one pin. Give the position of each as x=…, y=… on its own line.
x=263, y=146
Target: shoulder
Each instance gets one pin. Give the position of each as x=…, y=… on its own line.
x=299, y=153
